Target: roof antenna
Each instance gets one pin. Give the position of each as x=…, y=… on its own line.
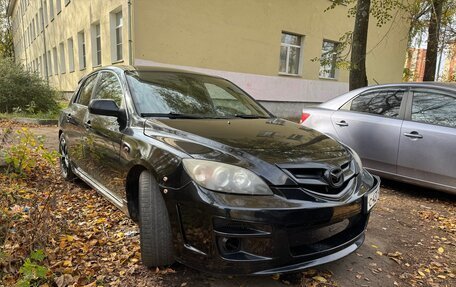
x=376, y=81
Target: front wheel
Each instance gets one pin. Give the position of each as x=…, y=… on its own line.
x=65, y=164
x=155, y=228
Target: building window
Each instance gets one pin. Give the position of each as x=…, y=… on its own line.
x=45, y=13
x=41, y=19
x=49, y=63
x=70, y=55
x=58, y=6
x=62, y=58
x=38, y=24
x=96, y=44
x=33, y=30
x=82, y=50
x=328, y=60
x=290, y=54
x=40, y=67
x=116, y=36
x=56, y=63
x=51, y=9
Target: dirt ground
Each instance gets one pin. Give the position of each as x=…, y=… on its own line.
x=410, y=241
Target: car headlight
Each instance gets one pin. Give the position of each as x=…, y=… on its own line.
x=223, y=177
x=356, y=158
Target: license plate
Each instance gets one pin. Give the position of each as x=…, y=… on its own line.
x=372, y=198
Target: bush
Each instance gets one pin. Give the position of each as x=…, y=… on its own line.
x=21, y=90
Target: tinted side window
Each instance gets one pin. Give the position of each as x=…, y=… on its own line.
x=86, y=91
x=108, y=87
x=434, y=107
x=383, y=103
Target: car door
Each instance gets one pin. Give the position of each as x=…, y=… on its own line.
x=427, y=149
x=370, y=123
x=75, y=117
x=105, y=137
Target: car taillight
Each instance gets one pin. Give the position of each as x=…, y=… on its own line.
x=304, y=117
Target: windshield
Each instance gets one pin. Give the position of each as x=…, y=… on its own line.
x=171, y=94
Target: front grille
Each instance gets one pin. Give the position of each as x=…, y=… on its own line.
x=312, y=177
x=306, y=242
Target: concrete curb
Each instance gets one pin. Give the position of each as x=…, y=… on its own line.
x=44, y=122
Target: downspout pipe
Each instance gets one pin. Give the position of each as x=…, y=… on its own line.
x=21, y=11
x=130, y=40
x=46, y=69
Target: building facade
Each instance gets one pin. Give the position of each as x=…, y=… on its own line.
x=280, y=51
x=414, y=64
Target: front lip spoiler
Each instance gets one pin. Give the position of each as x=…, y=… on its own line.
x=355, y=244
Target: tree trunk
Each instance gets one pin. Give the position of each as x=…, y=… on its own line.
x=358, y=77
x=433, y=41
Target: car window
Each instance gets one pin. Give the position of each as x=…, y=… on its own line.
x=108, y=87
x=86, y=90
x=190, y=94
x=434, y=107
x=384, y=103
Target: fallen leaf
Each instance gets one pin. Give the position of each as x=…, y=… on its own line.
x=319, y=279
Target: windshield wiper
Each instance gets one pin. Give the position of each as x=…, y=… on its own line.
x=242, y=116
x=171, y=115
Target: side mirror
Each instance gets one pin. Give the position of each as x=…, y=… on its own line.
x=104, y=108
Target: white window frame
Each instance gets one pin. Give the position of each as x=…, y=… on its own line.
x=49, y=63
x=58, y=6
x=115, y=57
x=56, y=61
x=51, y=10
x=39, y=17
x=45, y=12
x=70, y=46
x=287, y=61
x=95, y=48
x=82, y=50
x=62, y=58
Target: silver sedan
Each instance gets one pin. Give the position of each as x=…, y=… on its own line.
x=405, y=132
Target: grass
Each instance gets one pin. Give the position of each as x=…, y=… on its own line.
x=52, y=115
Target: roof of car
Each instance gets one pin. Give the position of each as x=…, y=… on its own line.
x=338, y=101
x=416, y=84
x=154, y=69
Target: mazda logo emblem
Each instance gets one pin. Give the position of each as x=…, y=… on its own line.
x=334, y=177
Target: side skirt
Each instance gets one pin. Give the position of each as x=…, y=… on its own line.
x=119, y=203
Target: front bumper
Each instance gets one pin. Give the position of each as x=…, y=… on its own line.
x=231, y=234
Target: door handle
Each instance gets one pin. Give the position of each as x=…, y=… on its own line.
x=413, y=135
x=87, y=124
x=342, y=123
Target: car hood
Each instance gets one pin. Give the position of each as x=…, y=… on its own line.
x=275, y=141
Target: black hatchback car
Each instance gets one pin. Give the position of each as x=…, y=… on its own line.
x=214, y=180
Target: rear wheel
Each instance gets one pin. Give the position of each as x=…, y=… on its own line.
x=65, y=164
x=154, y=225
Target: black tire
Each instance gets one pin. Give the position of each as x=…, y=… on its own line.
x=154, y=226
x=65, y=163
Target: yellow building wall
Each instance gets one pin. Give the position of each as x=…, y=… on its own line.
x=237, y=39
x=245, y=35
x=77, y=16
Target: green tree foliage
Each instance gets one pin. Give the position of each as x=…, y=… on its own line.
x=356, y=41
x=435, y=22
x=6, y=35
x=22, y=90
